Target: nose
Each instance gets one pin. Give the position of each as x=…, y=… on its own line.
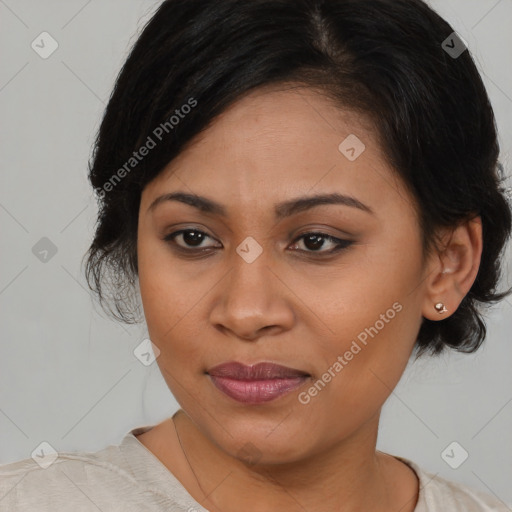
x=252, y=301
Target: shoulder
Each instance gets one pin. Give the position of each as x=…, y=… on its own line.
x=124, y=477
x=438, y=494
x=71, y=480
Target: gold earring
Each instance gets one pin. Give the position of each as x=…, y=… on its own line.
x=440, y=308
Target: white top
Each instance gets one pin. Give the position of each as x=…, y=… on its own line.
x=128, y=477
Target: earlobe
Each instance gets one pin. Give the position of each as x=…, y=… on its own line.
x=455, y=270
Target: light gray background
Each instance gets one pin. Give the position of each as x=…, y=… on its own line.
x=68, y=374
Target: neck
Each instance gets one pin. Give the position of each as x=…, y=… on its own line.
x=349, y=476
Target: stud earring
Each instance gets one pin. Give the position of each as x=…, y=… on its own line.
x=440, y=308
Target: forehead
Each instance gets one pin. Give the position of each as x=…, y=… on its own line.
x=276, y=143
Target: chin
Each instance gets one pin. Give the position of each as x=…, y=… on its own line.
x=263, y=443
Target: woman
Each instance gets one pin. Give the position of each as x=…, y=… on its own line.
x=304, y=193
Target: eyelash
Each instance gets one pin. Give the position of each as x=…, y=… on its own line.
x=340, y=243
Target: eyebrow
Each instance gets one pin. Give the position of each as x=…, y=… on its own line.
x=282, y=210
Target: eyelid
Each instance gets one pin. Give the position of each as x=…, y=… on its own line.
x=325, y=230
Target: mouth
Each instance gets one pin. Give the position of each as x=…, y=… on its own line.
x=255, y=384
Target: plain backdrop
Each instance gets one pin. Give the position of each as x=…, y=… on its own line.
x=68, y=374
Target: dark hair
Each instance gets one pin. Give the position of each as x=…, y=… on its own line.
x=387, y=59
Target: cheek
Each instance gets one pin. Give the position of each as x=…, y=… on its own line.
x=162, y=292
x=373, y=320
x=359, y=377
x=171, y=300
x=161, y=303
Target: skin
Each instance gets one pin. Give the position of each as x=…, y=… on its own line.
x=296, y=309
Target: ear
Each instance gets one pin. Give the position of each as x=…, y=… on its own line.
x=453, y=269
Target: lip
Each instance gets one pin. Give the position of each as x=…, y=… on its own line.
x=255, y=384
x=260, y=371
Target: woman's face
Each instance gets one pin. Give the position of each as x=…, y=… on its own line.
x=247, y=286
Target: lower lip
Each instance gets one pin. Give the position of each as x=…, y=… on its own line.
x=256, y=391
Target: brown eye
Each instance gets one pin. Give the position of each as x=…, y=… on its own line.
x=314, y=242
x=191, y=238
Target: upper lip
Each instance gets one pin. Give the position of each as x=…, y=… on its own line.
x=260, y=371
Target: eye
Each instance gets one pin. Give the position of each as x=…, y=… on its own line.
x=316, y=241
x=193, y=238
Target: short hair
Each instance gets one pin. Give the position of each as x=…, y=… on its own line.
x=386, y=59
